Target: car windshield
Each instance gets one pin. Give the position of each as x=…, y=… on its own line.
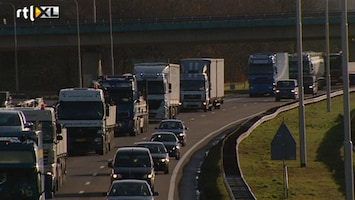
x=132, y=159
x=164, y=138
x=154, y=148
x=9, y=119
x=130, y=189
x=286, y=84
x=170, y=125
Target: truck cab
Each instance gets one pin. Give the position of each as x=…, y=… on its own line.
x=21, y=166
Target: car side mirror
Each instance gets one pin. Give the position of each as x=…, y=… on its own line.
x=59, y=137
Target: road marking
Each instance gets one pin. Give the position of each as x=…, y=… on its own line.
x=88, y=183
x=94, y=174
x=102, y=166
x=81, y=192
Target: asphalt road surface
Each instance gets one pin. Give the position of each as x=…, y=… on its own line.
x=89, y=177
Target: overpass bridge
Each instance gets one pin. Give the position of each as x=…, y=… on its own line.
x=212, y=29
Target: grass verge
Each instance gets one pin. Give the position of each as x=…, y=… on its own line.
x=322, y=178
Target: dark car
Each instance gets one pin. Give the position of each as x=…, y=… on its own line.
x=170, y=141
x=286, y=89
x=176, y=126
x=159, y=154
x=130, y=189
x=132, y=163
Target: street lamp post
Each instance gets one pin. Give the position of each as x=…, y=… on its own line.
x=15, y=44
x=111, y=39
x=78, y=38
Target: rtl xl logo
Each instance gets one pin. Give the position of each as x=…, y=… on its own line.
x=34, y=12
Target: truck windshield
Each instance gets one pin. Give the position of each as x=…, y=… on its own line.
x=192, y=85
x=261, y=69
x=80, y=110
x=17, y=157
x=194, y=66
x=19, y=184
x=264, y=80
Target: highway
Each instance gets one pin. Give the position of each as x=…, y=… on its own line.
x=88, y=175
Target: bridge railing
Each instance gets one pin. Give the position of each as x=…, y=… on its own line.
x=102, y=25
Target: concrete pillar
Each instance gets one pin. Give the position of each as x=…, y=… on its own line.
x=91, y=66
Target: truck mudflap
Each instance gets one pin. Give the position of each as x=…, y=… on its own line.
x=49, y=185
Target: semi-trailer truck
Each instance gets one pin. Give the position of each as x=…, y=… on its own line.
x=21, y=166
x=90, y=120
x=132, y=108
x=264, y=70
x=54, y=145
x=160, y=85
x=202, y=83
x=313, y=69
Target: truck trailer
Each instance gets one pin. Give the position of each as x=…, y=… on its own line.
x=132, y=108
x=202, y=83
x=21, y=166
x=264, y=70
x=54, y=145
x=313, y=66
x=160, y=85
x=89, y=120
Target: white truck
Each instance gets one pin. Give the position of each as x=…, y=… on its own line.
x=89, y=120
x=202, y=83
x=54, y=145
x=160, y=85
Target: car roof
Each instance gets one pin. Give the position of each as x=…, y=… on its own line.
x=171, y=120
x=130, y=181
x=164, y=132
x=135, y=148
x=149, y=142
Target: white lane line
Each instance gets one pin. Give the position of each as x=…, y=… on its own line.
x=88, y=183
x=81, y=192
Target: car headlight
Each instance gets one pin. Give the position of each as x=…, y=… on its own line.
x=164, y=160
x=277, y=91
x=292, y=90
x=149, y=176
x=116, y=176
x=181, y=134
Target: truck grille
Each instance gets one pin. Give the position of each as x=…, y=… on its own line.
x=192, y=96
x=154, y=104
x=45, y=156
